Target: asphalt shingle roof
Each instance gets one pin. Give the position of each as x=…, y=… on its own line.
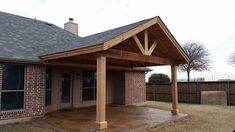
x=26, y=39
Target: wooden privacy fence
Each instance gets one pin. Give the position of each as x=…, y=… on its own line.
x=190, y=92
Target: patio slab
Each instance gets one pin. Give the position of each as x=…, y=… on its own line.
x=120, y=118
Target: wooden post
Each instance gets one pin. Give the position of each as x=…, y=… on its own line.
x=146, y=43
x=101, y=94
x=174, y=87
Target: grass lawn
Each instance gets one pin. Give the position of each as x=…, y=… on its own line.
x=202, y=118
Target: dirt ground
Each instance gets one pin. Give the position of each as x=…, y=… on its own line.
x=202, y=118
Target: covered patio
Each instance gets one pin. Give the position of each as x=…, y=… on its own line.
x=126, y=118
x=141, y=44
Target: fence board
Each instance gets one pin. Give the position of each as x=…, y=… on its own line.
x=190, y=92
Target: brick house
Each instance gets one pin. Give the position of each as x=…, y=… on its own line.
x=44, y=68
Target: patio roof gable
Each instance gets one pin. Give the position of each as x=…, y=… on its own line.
x=147, y=47
x=144, y=48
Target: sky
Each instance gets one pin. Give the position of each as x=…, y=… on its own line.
x=211, y=22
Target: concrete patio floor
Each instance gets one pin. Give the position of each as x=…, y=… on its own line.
x=120, y=118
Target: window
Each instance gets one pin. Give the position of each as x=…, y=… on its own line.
x=12, y=94
x=48, y=87
x=89, y=86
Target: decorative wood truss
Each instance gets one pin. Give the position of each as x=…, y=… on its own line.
x=145, y=50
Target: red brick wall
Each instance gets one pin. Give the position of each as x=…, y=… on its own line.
x=135, y=88
x=34, y=94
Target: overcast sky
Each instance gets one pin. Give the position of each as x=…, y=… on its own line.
x=211, y=22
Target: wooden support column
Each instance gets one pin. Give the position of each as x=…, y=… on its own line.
x=101, y=94
x=174, y=88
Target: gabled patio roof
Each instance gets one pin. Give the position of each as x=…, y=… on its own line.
x=145, y=43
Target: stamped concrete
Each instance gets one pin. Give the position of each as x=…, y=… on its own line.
x=120, y=118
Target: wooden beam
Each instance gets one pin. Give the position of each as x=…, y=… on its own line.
x=130, y=56
x=137, y=41
x=74, y=52
x=66, y=64
x=101, y=93
x=130, y=33
x=146, y=44
x=150, y=51
x=175, y=109
x=172, y=39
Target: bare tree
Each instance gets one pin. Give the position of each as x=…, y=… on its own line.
x=198, y=58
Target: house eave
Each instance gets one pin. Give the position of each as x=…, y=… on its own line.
x=69, y=53
x=21, y=61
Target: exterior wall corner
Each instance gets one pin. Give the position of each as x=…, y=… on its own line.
x=135, y=88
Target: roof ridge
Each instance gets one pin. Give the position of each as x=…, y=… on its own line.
x=26, y=17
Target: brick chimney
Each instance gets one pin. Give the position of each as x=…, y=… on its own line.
x=71, y=26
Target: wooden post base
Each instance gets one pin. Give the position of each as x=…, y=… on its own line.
x=175, y=111
x=101, y=125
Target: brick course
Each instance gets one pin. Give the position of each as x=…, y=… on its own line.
x=135, y=88
x=34, y=94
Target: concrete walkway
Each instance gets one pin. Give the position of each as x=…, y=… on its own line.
x=120, y=118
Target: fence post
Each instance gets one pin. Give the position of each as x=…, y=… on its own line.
x=228, y=93
x=197, y=99
x=154, y=92
x=199, y=93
